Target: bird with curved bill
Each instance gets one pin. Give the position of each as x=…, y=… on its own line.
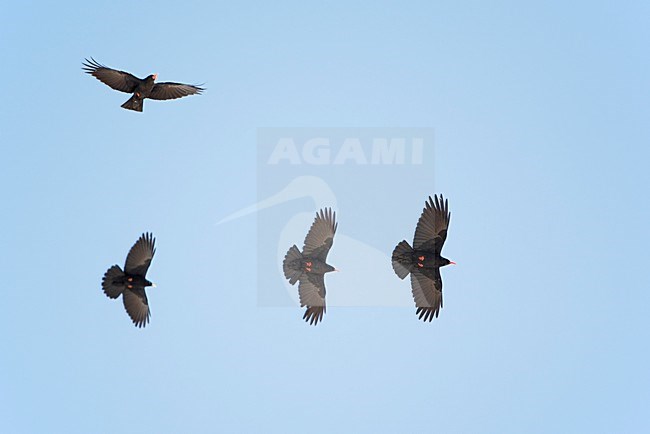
x=424, y=260
x=140, y=88
x=309, y=266
x=131, y=282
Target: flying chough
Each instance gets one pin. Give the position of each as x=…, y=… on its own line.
x=140, y=88
x=309, y=267
x=131, y=282
x=423, y=260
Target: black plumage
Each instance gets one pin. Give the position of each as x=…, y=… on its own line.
x=131, y=282
x=140, y=88
x=424, y=259
x=309, y=266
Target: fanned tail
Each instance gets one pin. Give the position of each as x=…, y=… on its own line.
x=113, y=282
x=292, y=265
x=134, y=103
x=402, y=259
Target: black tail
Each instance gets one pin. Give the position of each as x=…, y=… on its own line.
x=134, y=103
x=402, y=259
x=113, y=282
x=292, y=264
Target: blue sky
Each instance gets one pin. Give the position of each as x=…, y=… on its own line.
x=541, y=145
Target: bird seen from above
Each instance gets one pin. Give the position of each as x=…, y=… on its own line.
x=140, y=88
x=423, y=260
x=309, y=267
x=132, y=282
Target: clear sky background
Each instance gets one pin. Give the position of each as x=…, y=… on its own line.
x=540, y=112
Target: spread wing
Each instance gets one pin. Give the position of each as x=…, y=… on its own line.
x=118, y=80
x=136, y=305
x=312, y=294
x=173, y=90
x=427, y=294
x=320, y=237
x=140, y=255
x=431, y=231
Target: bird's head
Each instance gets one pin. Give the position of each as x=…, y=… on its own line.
x=147, y=283
x=329, y=268
x=446, y=261
x=155, y=76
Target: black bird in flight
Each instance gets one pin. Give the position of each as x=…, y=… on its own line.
x=423, y=260
x=131, y=282
x=141, y=89
x=309, y=267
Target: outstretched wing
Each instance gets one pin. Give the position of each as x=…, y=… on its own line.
x=173, y=90
x=320, y=237
x=137, y=306
x=431, y=231
x=118, y=80
x=312, y=294
x=427, y=294
x=140, y=255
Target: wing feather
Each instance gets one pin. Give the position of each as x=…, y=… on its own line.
x=427, y=294
x=118, y=80
x=433, y=224
x=139, y=258
x=320, y=237
x=137, y=306
x=312, y=295
x=162, y=91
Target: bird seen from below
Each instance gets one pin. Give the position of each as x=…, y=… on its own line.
x=140, y=88
x=131, y=282
x=423, y=260
x=309, y=267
